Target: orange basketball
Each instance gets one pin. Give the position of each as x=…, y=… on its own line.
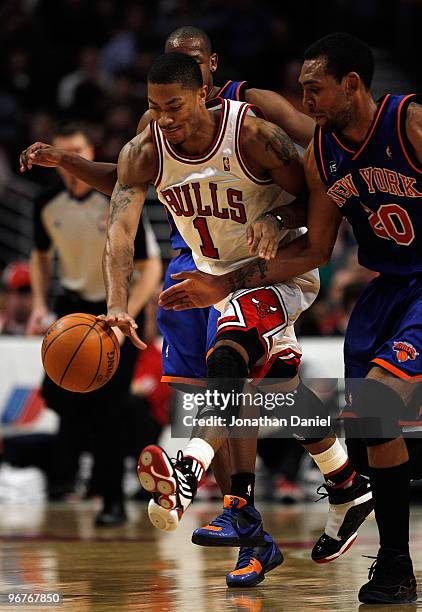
x=80, y=353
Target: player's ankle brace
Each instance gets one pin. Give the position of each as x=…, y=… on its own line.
x=308, y=406
x=378, y=408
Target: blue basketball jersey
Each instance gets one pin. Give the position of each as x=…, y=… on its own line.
x=232, y=90
x=378, y=188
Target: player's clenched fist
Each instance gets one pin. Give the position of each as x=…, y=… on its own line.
x=263, y=237
x=40, y=154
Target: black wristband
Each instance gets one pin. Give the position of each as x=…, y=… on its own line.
x=278, y=218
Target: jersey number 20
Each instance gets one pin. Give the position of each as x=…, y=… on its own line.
x=391, y=221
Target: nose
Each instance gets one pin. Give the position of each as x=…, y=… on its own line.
x=165, y=120
x=308, y=102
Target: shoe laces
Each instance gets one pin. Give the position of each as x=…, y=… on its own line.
x=246, y=554
x=371, y=569
x=182, y=463
x=382, y=570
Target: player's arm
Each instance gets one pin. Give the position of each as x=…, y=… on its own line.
x=307, y=252
x=100, y=175
x=270, y=152
x=40, y=270
x=40, y=267
x=414, y=128
x=278, y=110
x=135, y=170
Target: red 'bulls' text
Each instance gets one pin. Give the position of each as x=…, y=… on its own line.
x=190, y=200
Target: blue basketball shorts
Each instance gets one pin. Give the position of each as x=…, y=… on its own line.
x=188, y=335
x=385, y=328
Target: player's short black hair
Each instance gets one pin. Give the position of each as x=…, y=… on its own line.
x=185, y=32
x=65, y=129
x=344, y=53
x=176, y=68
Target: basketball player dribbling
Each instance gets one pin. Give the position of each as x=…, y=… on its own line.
x=212, y=200
x=184, y=360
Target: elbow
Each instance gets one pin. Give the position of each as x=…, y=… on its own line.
x=317, y=255
x=323, y=257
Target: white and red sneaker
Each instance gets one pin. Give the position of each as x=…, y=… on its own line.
x=172, y=483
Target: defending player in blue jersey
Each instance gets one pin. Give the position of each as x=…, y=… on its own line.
x=365, y=164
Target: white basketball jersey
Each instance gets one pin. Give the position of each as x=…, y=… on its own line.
x=213, y=197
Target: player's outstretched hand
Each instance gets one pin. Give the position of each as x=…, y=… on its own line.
x=263, y=237
x=126, y=324
x=197, y=290
x=40, y=154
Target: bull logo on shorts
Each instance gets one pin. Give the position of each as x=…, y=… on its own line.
x=262, y=308
x=405, y=351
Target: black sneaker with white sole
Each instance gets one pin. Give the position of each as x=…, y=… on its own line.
x=348, y=509
x=391, y=580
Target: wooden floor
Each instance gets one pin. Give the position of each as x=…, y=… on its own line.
x=56, y=549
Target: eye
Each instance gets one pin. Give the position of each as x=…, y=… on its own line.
x=175, y=108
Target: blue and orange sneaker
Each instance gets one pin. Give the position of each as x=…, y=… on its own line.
x=239, y=525
x=254, y=563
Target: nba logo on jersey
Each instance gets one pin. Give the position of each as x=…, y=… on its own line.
x=405, y=351
x=226, y=164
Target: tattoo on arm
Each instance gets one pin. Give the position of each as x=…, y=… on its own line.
x=117, y=271
x=281, y=146
x=256, y=270
x=120, y=200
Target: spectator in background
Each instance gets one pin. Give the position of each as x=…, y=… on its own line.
x=74, y=222
x=88, y=71
x=120, y=50
x=17, y=299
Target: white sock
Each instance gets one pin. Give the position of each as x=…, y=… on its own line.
x=201, y=451
x=332, y=459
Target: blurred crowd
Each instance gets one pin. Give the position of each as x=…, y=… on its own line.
x=88, y=59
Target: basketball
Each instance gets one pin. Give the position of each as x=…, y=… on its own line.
x=80, y=353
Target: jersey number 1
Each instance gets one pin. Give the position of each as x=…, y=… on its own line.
x=207, y=247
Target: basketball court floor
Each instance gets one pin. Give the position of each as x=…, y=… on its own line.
x=55, y=549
